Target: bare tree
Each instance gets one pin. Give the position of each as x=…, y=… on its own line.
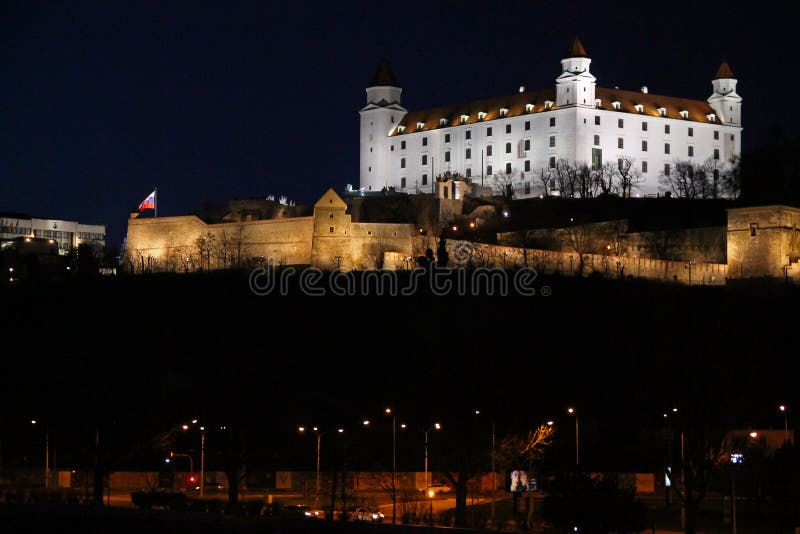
x=566, y=175
x=546, y=180
x=687, y=180
x=628, y=175
x=206, y=246
x=376, y=251
x=239, y=245
x=731, y=178
x=504, y=184
x=604, y=177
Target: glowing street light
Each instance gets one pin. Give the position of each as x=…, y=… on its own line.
x=571, y=411
x=782, y=409
x=302, y=430
x=436, y=426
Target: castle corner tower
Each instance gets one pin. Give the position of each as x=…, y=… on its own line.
x=576, y=85
x=378, y=119
x=725, y=101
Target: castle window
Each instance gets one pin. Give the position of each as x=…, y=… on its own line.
x=424, y=141
x=552, y=162
x=464, y=119
x=370, y=150
x=619, y=163
x=666, y=148
x=508, y=128
x=644, y=146
x=527, y=125
x=644, y=126
x=527, y=188
x=403, y=183
x=489, y=170
x=508, y=148
x=548, y=104
x=469, y=172
x=527, y=144
x=508, y=168
x=552, y=140
x=447, y=156
x=616, y=105
x=424, y=179
x=468, y=134
x=620, y=123
x=442, y=121
x=620, y=142
x=527, y=165
x=662, y=112
x=370, y=168
x=424, y=159
x=468, y=154
x=420, y=125
x=391, y=148
x=596, y=139
x=666, y=169
x=753, y=229
x=716, y=135
x=489, y=131
x=597, y=120
x=716, y=153
x=331, y=229
x=503, y=112
x=330, y=216
x=481, y=115
x=691, y=151
x=712, y=117
x=401, y=129
x=732, y=137
x=691, y=132
x=402, y=163
x=402, y=145
x=488, y=150
x=528, y=107
x=639, y=108
x=552, y=121
x=447, y=138
x=666, y=128
x=644, y=167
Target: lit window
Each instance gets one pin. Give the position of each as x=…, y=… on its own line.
x=481, y=115
x=684, y=114
x=528, y=107
x=420, y=125
x=662, y=112
x=442, y=121
x=503, y=112
x=598, y=103
x=548, y=104
x=464, y=119
x=639, y=108
x=616, y=105
x=712, y=117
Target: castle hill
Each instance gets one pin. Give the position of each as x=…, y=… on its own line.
x=354, y=267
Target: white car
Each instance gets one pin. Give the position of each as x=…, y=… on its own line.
x=436, y=489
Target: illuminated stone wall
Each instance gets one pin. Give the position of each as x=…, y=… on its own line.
x=764, y=241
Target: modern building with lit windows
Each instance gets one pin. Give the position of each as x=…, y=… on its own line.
x=526, y=134
x=67, y=234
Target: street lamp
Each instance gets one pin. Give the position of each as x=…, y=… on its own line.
x=319, y=443
x=571, y=411
x=668, y=461
x=782, y=408
x=388, y=411
x=436, y=426
x=202, y=453
x=46, y=452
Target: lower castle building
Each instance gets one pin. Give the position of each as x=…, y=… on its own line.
x=756, y=242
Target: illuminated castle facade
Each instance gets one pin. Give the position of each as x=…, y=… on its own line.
x=523, y=137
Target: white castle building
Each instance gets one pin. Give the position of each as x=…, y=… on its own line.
x=527, y=133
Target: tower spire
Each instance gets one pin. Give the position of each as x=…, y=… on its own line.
x=577, y=49
x=384, y=76
x=724, y=71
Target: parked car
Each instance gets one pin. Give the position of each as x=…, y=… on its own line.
x=436, y=489
x=372, y=515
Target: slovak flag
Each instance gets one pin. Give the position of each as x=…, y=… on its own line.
x=149, y=203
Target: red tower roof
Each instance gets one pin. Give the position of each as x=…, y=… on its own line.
x=724, y=71
x=577, y=49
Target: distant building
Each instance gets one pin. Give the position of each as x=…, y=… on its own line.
x=65, y=234
x=523, y=136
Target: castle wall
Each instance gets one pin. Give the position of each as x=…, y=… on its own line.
x=567, y=263
x=169, y=241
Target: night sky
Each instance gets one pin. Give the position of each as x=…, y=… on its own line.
x=102, y=102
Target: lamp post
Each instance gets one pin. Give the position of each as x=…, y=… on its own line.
x=202, y=459
x=571, y=411
x=668, y=461
x=430, y=498
x=394, y=463
x=46, y=452
x=302, y=429
x=782, y=408
x=436, y=426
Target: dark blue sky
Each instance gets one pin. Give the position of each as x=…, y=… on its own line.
x=102, y=101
